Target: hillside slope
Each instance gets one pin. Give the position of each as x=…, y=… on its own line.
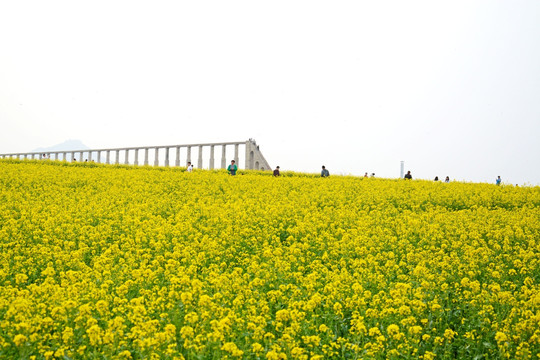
x=127, y=262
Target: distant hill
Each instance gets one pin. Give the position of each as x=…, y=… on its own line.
x=65, y=146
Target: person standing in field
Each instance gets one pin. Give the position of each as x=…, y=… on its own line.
x=189, y=167
x=325, y=172
x=447, y=180
x=498, y=180
x=408, y=176
x=232, y=168
x=276, y=171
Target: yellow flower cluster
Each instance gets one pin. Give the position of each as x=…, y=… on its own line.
x=125, y=262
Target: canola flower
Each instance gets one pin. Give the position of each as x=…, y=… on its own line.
x=137, y=262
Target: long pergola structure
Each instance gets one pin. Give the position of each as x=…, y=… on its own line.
x=254, y=160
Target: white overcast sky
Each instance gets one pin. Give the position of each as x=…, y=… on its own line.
x=450, y=87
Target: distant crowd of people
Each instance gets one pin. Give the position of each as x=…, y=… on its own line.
x=408, y=176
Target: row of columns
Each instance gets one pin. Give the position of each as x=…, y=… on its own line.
x=167, y=149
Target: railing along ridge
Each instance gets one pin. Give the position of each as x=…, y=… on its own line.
x=254, y=158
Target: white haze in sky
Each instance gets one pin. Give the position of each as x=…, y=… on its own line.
x=452, y=88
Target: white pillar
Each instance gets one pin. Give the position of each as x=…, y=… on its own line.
x=99, y=156
x=126, y=160
x=236, y=153
x=199, y=162
x=177, y=162
x=249, y=162
x=81, y=155
x=211, y=166
x=166, y=156
x=136, y=156
x=72, y=156
x=117, y=157
x=146, y=156
x=223, y=156
x=188, y=154
x=90, y=156
x=108, y=160
x=156, y=158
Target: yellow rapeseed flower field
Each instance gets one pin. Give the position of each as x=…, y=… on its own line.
x=117, y=262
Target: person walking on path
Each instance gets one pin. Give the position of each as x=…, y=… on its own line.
x=408, y=176
x=232, y=168
x=324, y=172
x=276, y=171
